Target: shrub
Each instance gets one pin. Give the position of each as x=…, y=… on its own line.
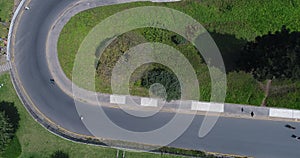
x=6, y=131
x=166, y=78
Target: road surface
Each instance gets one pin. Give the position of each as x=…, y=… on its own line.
x=258, y=138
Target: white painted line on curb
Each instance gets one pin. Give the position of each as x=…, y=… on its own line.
x=117, y=99
x=207, y=106
x=296, y=114
x=282, y=113
x=149, y=102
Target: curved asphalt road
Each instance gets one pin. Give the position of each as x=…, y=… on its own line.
x=249, y=137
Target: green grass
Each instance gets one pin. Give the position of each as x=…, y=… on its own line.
x=37, y=142
x=5, y=13
x=243, y=89
x=13, y=149
x=6, y=9
x=207, y=13
x=284, y=94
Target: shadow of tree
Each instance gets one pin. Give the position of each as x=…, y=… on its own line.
x=230, y=48
x=11, y=112
x=273, y=56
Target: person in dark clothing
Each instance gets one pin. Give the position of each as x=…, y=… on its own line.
x=252, y=114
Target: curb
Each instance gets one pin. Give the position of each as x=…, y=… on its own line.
x=198, y=106
x=16, y=13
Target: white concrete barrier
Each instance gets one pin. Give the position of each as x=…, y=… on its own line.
x=117, y=99
x=296, y=114
x=282, y=113
x=149, y=102
x=207, y=106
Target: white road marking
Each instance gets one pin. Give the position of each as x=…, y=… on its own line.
x=149, y=102
x=117, y=99
x=207, y=106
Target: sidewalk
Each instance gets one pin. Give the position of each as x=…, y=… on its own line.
x=5, y=67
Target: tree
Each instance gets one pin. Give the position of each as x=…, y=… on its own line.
x=6, y=131
x=11, y=113
x=59, y=154
x=273, y=56
x=166, y=78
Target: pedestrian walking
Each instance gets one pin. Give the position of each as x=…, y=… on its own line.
x=252, y=114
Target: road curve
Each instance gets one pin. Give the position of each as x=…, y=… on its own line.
x=31, y=73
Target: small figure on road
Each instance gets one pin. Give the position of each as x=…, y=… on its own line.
x=81, y=117
x=52, y=81
x=252, y=114
x=242, y=109
x=294, y=136
x=289, y=126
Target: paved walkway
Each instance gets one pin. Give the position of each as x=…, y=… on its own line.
x=5, y=67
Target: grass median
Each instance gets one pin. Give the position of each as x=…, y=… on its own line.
x=230, y=23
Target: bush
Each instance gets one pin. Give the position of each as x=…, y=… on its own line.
x=11, y=113
x=166, y=78
x=185, y=152
x=13, y=149
x=6, y=131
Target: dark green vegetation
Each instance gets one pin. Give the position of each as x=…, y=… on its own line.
x=6, y=130
x=184, y=152
x=232, y=24
x=13, y=149
x=273, y=56
x=166, y=78
x=9, y=123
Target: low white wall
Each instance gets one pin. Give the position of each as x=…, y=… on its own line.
x=282, y=113
x=117, y=99
x=149, y=102
x=296, y=114
x=207, y=106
